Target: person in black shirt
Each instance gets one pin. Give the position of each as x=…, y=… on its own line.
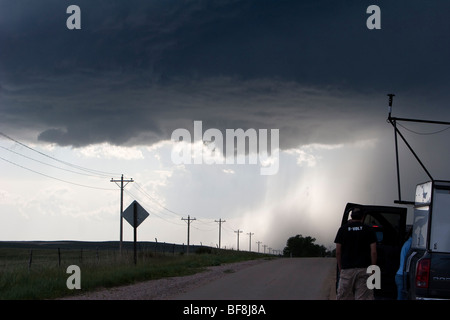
x=355, y=251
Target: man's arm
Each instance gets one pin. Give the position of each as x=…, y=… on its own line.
x=338, y=255
x=373, y=253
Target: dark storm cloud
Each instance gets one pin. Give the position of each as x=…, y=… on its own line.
x=140, y=69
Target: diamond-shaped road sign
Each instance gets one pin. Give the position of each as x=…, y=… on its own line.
x=128, y=214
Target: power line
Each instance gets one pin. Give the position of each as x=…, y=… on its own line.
x=229, y=228
x=423, y=133
x=92, y=171
x=47, y=164
x=147, y=205
x=155, y=213
x=155, y=201
x=141, y=189
x=76, y=169
x=51, y=177
x=201, y=229
x=145, y=193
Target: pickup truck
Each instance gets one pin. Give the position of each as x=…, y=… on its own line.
x=389, y=224
x=428, y=263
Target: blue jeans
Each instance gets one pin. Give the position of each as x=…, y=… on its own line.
x=399, y=283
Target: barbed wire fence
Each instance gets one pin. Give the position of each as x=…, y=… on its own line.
x=36, y=257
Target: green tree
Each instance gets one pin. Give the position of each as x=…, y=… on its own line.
x=299, y=246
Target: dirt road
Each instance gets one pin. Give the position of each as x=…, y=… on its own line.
x=279, y=279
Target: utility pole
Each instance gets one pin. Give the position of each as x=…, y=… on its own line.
x=238, y=231
x=250, y=241
x=121, y=186
x=189, y=219
x=265, y=246
x=220, y=228
x=258, y=243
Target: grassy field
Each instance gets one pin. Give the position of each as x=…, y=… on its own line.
x=44, y=277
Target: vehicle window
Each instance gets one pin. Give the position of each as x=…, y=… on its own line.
x=440, y=221
x=386, y=226
x=420, y=227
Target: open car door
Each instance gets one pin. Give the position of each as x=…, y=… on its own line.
x=389, y=224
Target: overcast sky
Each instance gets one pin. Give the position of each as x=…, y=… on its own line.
x=108, y=97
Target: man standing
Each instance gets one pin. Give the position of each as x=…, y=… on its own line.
x=355, y=251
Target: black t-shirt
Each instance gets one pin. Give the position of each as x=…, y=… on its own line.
x=355, y=239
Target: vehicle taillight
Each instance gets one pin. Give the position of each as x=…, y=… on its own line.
x=422, y=273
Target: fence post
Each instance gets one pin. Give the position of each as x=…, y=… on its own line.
x=59, y=257
x=31, y=258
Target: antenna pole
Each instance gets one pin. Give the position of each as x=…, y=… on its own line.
x=391, y=98
x=393, y=121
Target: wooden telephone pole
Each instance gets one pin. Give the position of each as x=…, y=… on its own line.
x=121, y=186
x=220, y=228
x=189, y=219
x=238, y=231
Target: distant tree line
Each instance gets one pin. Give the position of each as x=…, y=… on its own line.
x=299, y=246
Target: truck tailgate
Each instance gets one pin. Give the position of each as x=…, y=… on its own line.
x=439, y=283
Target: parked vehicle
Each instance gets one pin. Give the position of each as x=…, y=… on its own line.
x=389, y=224
x=427, y=267
x=428, y=264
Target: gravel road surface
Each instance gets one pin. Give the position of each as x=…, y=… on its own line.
x=278, y=279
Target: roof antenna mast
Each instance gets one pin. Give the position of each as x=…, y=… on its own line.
x=393, y=121
x=391, y=98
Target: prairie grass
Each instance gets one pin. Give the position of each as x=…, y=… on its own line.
x=46, y=277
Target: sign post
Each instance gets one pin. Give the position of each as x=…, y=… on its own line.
x=135, y=230
x=135, y=214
